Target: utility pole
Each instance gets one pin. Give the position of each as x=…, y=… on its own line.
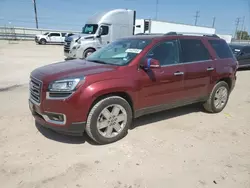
x=34, y=3
x=196, y=17
x=242, y=27
x=214, y=19
x=156, y=9
x=237, y=26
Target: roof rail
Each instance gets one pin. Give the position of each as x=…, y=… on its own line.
x=149, y=34
x=192, y=34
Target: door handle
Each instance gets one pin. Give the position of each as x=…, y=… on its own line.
x=210, y=69
x=178, y=73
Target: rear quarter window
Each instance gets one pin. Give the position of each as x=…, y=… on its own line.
x=221, y=48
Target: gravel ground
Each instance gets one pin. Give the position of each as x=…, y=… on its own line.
x=185, y=147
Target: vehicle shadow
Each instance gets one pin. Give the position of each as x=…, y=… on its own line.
x=51, y=44
x=167, y=114
x=141, y=121
x=243, y=69
x=60, y=137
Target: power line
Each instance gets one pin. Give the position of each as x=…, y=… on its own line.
x=196, y=17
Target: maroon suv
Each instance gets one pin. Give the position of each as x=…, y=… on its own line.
x=129, y=78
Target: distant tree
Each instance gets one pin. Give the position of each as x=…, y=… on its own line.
x=243, y=35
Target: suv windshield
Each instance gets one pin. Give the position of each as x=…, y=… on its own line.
x=120, y=52
x=46, y=33
x=89, y=29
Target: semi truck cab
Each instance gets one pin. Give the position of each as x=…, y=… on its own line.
x=100, y=30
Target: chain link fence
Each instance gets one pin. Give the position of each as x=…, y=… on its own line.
x=22, y=33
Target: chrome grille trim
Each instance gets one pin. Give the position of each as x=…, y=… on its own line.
x=67, y=44
x=35, y=88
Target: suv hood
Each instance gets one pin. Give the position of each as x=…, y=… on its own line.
x=39, y=36
x=72, y=68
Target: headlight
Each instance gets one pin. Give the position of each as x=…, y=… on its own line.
x=79, y=41
x=65, y=85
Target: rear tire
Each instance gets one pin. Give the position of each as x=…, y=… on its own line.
x=43, y=41
x=218, y=98
x=87, y=52
x=108, y=120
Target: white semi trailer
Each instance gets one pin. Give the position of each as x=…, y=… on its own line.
x=102, y=29
x=155, y=26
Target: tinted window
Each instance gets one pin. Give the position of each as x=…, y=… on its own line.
x=167, y=53
x=246, y=49
x=221, y=48
x=54, y=35
x=70, y=34
x=63, y=34
x=105, y=30
x=193, y=50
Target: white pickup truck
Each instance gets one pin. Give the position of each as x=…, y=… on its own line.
x=51, y=37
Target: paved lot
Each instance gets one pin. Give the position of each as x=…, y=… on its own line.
x=185, y=147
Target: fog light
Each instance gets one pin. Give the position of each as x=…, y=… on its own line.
x=56, y=117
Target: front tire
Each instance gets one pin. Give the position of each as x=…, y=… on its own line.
x=218, y=98
x=109, y=119
x=43, y=41
x=87, y=52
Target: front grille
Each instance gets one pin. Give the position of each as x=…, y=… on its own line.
x=67, y=44
x=35, y=90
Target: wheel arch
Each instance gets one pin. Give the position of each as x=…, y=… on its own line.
x=42, y=39
x=90, y=48
x=228, y=80
x=121, y=94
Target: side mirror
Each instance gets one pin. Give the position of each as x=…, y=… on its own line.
x=99, y=32
x=150, y=63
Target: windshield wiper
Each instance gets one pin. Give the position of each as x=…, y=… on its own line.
x=98, y=61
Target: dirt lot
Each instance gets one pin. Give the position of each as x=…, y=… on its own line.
x=184, y=147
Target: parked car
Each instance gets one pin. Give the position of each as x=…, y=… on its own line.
x=242, y=53
x=50, y=37
x=129, y=78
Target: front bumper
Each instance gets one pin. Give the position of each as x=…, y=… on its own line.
x=42, y=118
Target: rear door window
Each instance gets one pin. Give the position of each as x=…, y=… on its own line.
x=221, y=48
x=193, y=50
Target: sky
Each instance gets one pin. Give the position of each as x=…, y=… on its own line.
x=72, y=14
